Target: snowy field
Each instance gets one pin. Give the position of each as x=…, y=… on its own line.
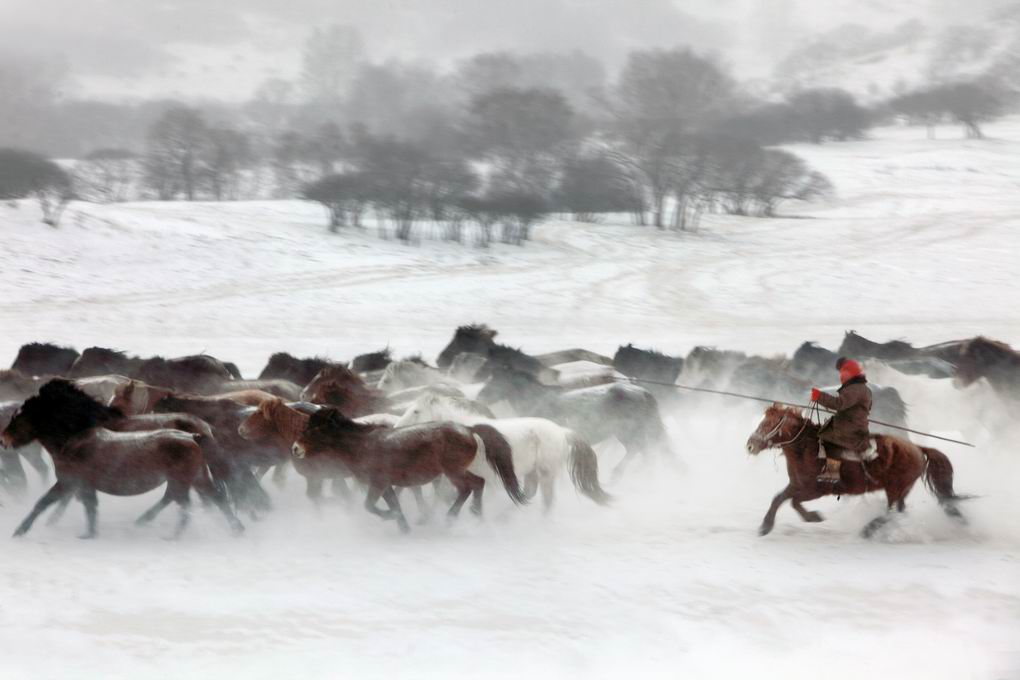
x=921, y=243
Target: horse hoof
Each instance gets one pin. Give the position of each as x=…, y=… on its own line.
x=813, y=517
x=87, y=536
x=764, y=529
x=405, y=528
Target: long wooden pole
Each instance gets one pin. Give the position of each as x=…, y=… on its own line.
x=786, y=403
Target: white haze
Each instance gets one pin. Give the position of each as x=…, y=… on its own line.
x=672, y=581
x=223, y=50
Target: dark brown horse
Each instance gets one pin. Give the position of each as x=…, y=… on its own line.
x=996, y=362
x=240, y=456
x=299, y=371
x=90, y=458
x=382, y=458
x=194, y=373
x=342, y=388
x=898, y=466
x=280, y=424
x=43, y=358
x=480, y=339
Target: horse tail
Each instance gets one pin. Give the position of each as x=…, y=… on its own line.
x=584, y=471
x=938, y=476
x=497, y=452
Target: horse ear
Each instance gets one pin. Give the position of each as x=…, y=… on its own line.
x=488, y=333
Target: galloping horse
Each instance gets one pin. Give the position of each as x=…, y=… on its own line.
x=540, y=447
x=88, y=457
x=384, y=457
x=898, y=466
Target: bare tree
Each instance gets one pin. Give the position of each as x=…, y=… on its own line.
x=525, y=133
x=24, y=174
x=173, y=158
x=228, y=152
x=660, y=97
x=107, y=175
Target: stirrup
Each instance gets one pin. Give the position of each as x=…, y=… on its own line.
x=829, y=474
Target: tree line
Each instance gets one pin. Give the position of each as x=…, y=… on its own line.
x=496, y=143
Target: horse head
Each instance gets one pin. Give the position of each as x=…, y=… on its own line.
x=476, y=338
x=777, y=428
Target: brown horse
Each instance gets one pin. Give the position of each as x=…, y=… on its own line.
x=995, y=361
x=90, y=458
x=383, y=457
x=134, y=397
x=898, y=466
x=282, y=425
x=342, y=388
x=44, y=358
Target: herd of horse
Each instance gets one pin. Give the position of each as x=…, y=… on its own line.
x=125, y=425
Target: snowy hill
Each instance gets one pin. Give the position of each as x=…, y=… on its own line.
x=672, y=580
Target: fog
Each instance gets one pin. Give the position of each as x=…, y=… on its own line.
x=223, y=50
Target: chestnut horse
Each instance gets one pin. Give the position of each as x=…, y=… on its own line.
x=898, y=466
x=89, y=457
x=134, y=397
x=383, y=457
x=340, y=387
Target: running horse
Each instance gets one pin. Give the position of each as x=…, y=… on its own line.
x=899, y=465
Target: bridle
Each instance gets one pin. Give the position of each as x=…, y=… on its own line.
x=766, y=439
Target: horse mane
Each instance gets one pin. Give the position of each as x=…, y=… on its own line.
x=990, y=348
x=479, y=330
x=332, y=420
x=61, y=409
x=105, y=354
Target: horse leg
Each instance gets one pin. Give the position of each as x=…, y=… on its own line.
x=375, y=492
x=531, y=484
x=477, y=489
x=770, y=517
x=341, y=489
x=464, y=488
x=313, y=489
x=34, y=457
x=208, y=491
x=630, y=451
x=183, y=497
x=13, y=472
x=548, y=483
x=91, y=503
x=390, y=496
x=280, y=475
x=805, y=514
x=874, y=525
x=424, y=507
x=56, y=492
x=151, y=513
x=59, y=511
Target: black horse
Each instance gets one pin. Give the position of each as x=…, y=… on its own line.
x=479, y=339
x=283, y=366
x=626, y=412
x=43, y=358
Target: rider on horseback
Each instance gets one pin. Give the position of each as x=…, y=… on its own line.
x=847, y=430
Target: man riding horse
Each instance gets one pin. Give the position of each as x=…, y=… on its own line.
x=845, y=434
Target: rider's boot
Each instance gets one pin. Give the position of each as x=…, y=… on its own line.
x=830, y=473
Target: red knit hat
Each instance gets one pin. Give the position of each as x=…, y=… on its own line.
x=848, y=369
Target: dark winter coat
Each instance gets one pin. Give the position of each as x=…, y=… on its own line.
x=848, y=428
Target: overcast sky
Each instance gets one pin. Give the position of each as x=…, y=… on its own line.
x=224, y=48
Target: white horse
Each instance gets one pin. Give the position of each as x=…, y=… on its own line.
x=402, y=375
x=540, y=447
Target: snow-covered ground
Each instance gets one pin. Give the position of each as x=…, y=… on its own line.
x=921, y=243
